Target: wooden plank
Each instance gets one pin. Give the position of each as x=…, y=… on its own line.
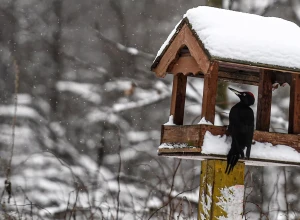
x=250, y=162
x=249, y=78
x=188, y=133
x=264, y=101
x=278, y=139
x=282, y=77
x=237, y=66
x=244, y=65
x=212, y=180
x=185, y=65
x=170, y=55
x=294, y=109
x=162, y=134
x=182, y=134
x=196, y=49
x=179, y=150
x=178, y=98
x=236, y=77
x=210, y=93
x=193, y=135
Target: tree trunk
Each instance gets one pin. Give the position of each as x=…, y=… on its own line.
x=56, y=54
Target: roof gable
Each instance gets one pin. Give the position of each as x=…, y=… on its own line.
x=168, y=61
x=241, y=38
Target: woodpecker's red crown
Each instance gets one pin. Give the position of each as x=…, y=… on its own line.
x=250, y=93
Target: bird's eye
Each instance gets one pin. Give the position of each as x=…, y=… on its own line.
x=244, y=94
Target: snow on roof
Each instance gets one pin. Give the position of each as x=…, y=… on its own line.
x=243, y=38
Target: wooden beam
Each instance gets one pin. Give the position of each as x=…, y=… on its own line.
x=179, y=150
x=185, y=65
x=213, y=181
x=210, y=92
x=237, y=66
x=197, y=50
x=294, y=109
x=178, y=98
x=198, y=156
x=236, y=77
x=244, y=65
x=264, y=101
x=193, y=135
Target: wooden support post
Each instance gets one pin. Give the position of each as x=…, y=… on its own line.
x=264, y=100
x=210, y=92
x=178, y=98
x=214, y=181
x=294, y=109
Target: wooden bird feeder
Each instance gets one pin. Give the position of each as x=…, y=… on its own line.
x=198, y=47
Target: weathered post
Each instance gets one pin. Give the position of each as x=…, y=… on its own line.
x=216, y=187
x=213, y=178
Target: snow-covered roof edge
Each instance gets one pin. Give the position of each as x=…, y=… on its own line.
x=177, y=29
x=171, y=38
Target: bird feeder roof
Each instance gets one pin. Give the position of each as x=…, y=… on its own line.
x=242, y=38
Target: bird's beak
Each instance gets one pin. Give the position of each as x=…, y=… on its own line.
x=235, y=91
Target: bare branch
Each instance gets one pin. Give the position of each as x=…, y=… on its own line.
x=85, y=64
x=129, y=50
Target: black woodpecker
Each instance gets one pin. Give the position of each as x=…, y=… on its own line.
x=241, y=128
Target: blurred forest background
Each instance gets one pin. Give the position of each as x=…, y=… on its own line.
x=89, y=113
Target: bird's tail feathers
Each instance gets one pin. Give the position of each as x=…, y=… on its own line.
x=232, y=159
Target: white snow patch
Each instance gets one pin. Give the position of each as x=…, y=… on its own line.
x=231, y=201
x=171, y=120
x=174, y=145
x=24, y=99
x=192, y=196
x=85, y=90
x=145, y=98
x=225, y=35
x=206, y=202
x=203, y=121
x=285, y=102
x=132, y=51
x=22, y=111
x=220, y=145
x=154, y=203
x=96, y=116
x=119, y=85
x=139, y=136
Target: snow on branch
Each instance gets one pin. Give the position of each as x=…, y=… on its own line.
x=23, y=111
x=85, y=90
x=97, y=115
x=148, y=98
x=117, y=85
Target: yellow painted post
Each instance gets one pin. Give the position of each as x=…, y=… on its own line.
x=213, y=183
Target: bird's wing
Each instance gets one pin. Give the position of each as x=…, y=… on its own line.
x=241, y=126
